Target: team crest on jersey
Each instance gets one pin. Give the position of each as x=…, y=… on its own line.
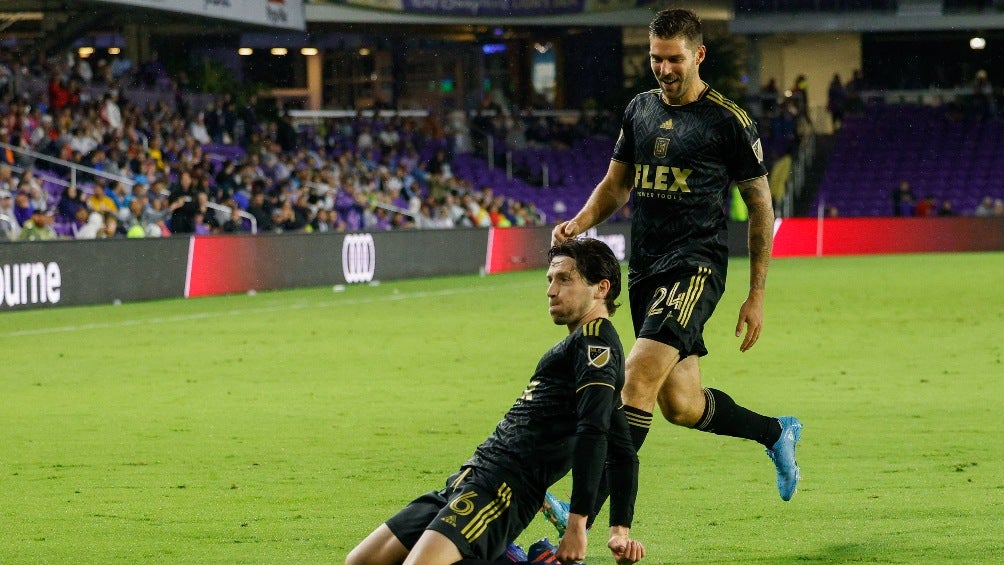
x=661, y=144
x=758, y=150
x=598, y=355
x=668, y=124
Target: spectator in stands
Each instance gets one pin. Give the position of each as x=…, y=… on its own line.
x=59, y=93
x=198, y=129
x=261, y=209
x=800, y=95
x=99, y=200
x=928, y=206
x=22, y=207
x=836, y=101
x=768, y=97
x=10, y=226
x=903, y=200
x=235, y=223
x=946, y=208
x=110, y=227
x=38, y=227
x=985, y=207
x=854, y=87
x=998, y=208
x=36, y=194
x=8, y=182
x=87, y=224
x=70, y=201
x=183, y=204
x=111, y=114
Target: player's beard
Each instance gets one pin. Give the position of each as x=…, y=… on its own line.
x=675, y=91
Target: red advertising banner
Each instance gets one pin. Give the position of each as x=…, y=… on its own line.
x=796, y=237
x=222, y=265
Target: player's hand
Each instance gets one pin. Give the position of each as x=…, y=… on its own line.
x=563, y=232
x=625, y=549
x=572, y=548
x=750, y=317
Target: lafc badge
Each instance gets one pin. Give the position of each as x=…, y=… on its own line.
x=661, y=145
x=598, y=356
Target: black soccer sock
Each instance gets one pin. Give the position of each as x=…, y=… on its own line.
x=639, y=422
x=723, y=416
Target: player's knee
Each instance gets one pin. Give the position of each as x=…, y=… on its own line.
x=680, y=410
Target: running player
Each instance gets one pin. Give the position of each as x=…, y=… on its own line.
x=681, y=147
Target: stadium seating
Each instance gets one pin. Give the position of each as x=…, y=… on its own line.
x=938, y=152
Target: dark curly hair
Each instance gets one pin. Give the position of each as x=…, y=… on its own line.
x=595, y=262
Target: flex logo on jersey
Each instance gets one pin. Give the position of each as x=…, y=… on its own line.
x=657, y=177
x=598, y=356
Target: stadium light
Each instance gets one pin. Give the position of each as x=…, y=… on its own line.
x=309, y=51
x=245, y=51
x=364, y=51
x=114, y=50
x=977, y=43
x=85, y=52
x=279, y=51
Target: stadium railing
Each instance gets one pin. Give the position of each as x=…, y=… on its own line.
x=74, y=168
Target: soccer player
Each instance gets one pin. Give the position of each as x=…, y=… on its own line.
x=568, y=418
x=681, y=147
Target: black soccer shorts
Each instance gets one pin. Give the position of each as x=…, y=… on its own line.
x=672, y=307
x=477, y=510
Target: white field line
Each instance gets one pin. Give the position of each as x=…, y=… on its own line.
x=263, y=309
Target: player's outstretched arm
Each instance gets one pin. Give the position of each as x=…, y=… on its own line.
x=756, y=194
x=609, y=195
x=625, y=549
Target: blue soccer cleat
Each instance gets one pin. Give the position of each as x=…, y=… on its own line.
x=783, y=456
x=542, y=551
x=515, y=554
x=556, y=512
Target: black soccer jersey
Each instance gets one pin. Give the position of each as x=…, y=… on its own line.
x=569, y=417
x=685, y=160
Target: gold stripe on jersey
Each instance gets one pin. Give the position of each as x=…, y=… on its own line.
x=488, y=514
x=731, y=106
x=592, y=329
x=460, y=478
x=693, y=293
x=591, y=384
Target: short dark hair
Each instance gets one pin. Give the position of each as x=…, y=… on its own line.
x=677, y=22
x=595, y=262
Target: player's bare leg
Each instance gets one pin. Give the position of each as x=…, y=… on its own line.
x=379, y=548
x=681, y=397
x=433, y=548
x=647, y=367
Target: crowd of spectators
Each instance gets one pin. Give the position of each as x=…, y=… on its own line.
x=170, y=166
x=165, y=168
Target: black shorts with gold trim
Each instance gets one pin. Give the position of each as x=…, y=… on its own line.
x=673, y=307
x=477, y=510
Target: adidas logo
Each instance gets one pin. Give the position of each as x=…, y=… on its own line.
x=451, y=520
x=668, y=124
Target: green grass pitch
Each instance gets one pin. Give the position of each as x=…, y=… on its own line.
x=283, y=427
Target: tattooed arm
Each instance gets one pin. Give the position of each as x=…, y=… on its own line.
x=756, y=194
